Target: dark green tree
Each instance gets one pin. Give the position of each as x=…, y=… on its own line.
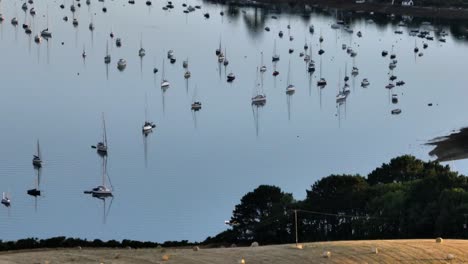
x=263, y=216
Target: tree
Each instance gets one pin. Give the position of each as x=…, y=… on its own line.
x=336, y=194
x=263, y=216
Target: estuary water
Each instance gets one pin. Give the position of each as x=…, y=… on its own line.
x=184, y=179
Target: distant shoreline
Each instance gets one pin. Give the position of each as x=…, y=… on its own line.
x=452, y=13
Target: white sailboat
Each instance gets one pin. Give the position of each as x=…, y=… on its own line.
x=6, y=201
x=37, y=161
x=259, y=98
x=148, y=125
x=164, y=83
x=263, y=68
x=290, y=89
x=102, y=145
x=196, y=105
x=102, y=191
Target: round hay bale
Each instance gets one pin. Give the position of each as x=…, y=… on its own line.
x=439, y=240
x=254, y=244
x=78, y=247
x=159, y=246
x=165, y=258
x=375, y=250
x=128, y=247
x=326, y=254
x=196, y=248
x=450, y=256
x=233, y=245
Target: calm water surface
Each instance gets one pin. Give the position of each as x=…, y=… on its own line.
x=183, y=180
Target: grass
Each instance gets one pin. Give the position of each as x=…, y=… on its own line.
x=389, y=251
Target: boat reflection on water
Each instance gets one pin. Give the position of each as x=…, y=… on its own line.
x=103, y=192
x=451, y=147
x=36, y=191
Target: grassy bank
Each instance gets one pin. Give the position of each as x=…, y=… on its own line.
x=389, y=251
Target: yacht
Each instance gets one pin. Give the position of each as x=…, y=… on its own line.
x=121, y=64
x=311, y=67
x=231, y=77
x=148, y=127
x=290, y=89
x=46, y=33
x=196, y=106
x=6, y=200
x=38, y=38
x=259, y=100
x=365, y=82
x=37, y=161
x=322, y=82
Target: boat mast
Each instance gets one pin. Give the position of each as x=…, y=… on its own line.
x=103, y=172
x=146, y=107
x=163, y=75
x=289, y=72
x=38, y=150
x=104, y=136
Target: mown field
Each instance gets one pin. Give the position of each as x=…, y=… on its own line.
x=389, y=251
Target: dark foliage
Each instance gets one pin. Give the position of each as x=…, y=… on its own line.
x=406, y=198
x=63, y=242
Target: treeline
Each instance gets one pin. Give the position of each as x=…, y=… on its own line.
x=406, y=198
x=64, y=242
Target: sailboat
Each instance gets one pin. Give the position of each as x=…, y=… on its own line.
x=225, y=62
x=311, y=66
x=196, y=105
x=259, y=98
x=342, y=95
x=6, y=201
x=290, y=89
x=36, y=192
x=218, y=50
x=37, y=161
x=101, y=191
x=102, y=145
x=187, y=73
x=263, y=68
x=275, y=57
x=107, y=58
x=164, y=82
x=148, y=125
x=142, y=51
x=46, y=33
